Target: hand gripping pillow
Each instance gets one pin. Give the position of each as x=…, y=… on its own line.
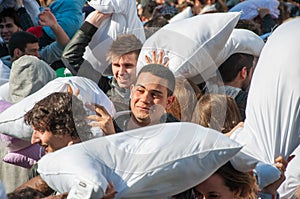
x=124, y=20
x=272, y=114
x=288, y=189
x=12, y=122
x=192, y=45
x=150, y=162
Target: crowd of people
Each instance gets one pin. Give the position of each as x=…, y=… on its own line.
x=104, y=42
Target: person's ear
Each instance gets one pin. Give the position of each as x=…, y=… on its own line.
x=244, y=72
x=170, y=101
x=17, y=53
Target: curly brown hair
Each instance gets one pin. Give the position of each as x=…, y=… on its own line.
x=60, y=113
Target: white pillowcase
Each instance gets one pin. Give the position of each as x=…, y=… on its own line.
x=12, y=121
x=242, y=41
x=272, y=114
x=124, y=19
x=192, y=45
x=150, y=162
x=186, y=13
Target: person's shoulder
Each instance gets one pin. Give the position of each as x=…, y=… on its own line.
x=171, y=118
x=121, y=119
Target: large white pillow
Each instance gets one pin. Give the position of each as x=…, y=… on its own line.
x=242, y=41
x=192, y=45
x=12, y=121
x=272, y=114
x=150, y=162
x=124, y=19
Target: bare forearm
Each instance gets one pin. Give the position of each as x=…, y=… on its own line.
x=61, y=36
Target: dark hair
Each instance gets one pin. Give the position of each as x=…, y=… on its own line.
x=249, y=25
x=60, y=113
x=162, y=72
x=20, y=40
x=11, y=13
x=234, y=64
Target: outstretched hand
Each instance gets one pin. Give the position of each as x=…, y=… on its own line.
x=157, y=59
x=47, y=18
x=102, y=119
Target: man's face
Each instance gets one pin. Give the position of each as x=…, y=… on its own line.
x=30, y=49
x=124, y=69
x=148, y=99
x=49, y=141
x=7, y=28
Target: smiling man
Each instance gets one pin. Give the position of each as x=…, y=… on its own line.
x=57, y=121
x=122, y=54
x=150, y=96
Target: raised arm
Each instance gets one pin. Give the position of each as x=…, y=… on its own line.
x=73, y=53
x=46, y=18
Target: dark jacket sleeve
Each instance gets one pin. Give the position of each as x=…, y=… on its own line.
x=73, y=53
x=25, y=19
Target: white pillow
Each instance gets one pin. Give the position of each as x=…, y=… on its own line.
x=124, y=19
x=4, y=91
x=186, y=13
x=288, y=189
x=12, y=121
x=242, y=41
x=150, y=162
x=192, y=45
x=272, y=114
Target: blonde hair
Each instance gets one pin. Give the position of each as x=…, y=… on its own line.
x=186, y=96
x=216, y=111
x=124, y=44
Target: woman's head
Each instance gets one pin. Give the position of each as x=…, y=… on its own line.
x=219, y=112
x=228, y=183
x=186, y=96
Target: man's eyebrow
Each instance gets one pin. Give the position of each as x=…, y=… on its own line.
x=153, y=90
x=141, y=85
